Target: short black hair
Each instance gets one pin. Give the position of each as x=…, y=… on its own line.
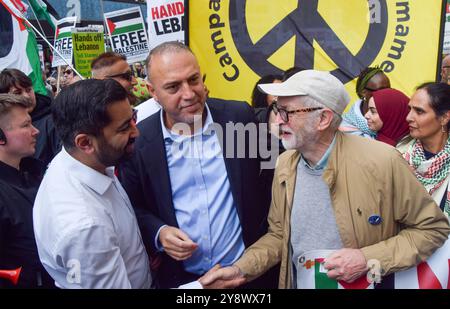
x=439, y=94
x=364, y=77
x=291, y=71
x=106, y=60
x=259, y=99
x=12, y=78
x=82, y=108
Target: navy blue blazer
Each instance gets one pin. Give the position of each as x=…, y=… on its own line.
x=146, y=179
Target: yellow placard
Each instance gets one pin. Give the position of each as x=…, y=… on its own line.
x=238, y=41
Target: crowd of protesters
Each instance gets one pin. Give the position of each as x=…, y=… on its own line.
x=89, y=198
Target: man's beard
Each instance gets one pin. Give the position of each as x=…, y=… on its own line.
x=110, y=156
x=298, y=140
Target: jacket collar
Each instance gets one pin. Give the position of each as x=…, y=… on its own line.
x=330, y=173
x=150, y=146
x=289, y=170
x=28, y=166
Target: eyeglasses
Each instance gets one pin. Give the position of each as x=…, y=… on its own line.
x=126, y=76
x=284, y=114
x=134, y=116
x=69, y=72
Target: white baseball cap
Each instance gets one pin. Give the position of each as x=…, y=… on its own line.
x=320, y=85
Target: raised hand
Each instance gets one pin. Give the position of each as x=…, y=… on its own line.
x=223, y=278
x=176, y=243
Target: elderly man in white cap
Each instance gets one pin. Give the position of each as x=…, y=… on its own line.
x=346, y=201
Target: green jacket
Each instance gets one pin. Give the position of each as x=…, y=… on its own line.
x=365, y=177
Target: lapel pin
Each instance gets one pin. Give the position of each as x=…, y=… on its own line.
x=375, y=219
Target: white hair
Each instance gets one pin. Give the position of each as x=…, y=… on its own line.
x=308, y=101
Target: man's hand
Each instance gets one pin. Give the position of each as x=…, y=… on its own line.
x=176, y=243
x=346, y=265
x=222, y=278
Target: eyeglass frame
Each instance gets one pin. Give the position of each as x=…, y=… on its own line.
x=134, y=115
x=128, y=76
x=284, y=113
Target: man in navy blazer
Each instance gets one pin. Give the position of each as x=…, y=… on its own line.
x=193, y=183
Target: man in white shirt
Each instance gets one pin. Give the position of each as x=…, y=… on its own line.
x=86, y=230
x=146, y=109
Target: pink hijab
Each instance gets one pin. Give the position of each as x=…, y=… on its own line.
x=392, y=106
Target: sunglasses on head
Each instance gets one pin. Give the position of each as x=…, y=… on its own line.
x=126, y=76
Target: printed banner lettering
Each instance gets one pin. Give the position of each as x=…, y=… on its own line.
x=63, y=41
x=88, y=43
x=237, y=42
x=127, y=33
x=165, y=20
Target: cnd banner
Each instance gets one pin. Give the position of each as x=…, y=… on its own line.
x=238, y=41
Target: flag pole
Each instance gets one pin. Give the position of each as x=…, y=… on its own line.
x=37, y=20
x=105, y=31
x=103, y=13
x=58, y=81
x=50, y=45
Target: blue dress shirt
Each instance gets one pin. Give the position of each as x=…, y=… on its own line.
x=202, y=198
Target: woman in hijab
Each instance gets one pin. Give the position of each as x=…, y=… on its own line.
x=386, y=115
x=369, y=80
x=429, y=154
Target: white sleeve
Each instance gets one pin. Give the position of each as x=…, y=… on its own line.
x=90, y=258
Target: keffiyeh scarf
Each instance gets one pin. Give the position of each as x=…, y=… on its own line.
x=431, y=173
x=356, y=119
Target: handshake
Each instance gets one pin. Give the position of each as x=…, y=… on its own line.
x=180, y=247
x=222, y=278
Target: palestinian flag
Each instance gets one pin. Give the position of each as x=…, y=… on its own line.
x=434, y=273
x=44, y=11
x=311, y=274
x=64, y=30
x=130, y=21
x=18, y=48
x=431, y=274
x=323, y=282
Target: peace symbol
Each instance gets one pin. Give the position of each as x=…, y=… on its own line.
x=307, y=25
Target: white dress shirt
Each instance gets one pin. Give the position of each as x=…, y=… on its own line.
x=146, y=109
x=86, y=230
